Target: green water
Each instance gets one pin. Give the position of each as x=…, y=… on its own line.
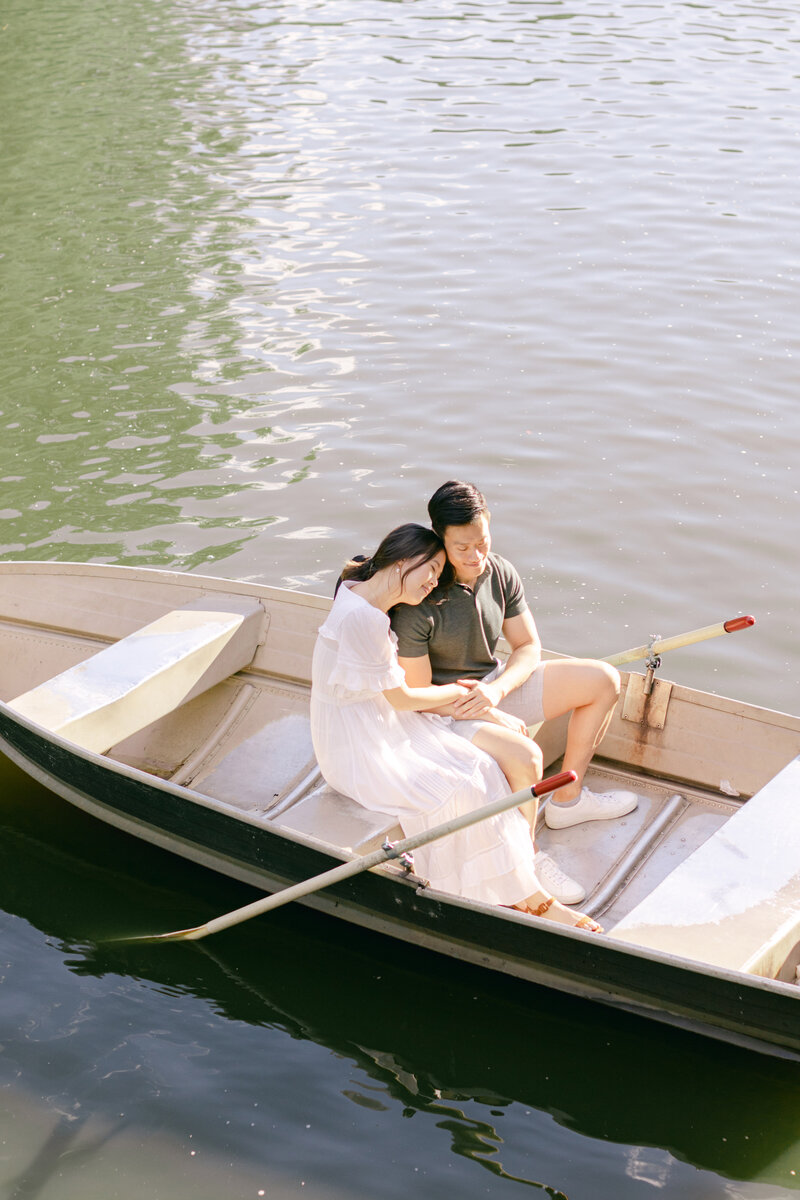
x=269, y=274
x=298, y=1053
x=114, y=293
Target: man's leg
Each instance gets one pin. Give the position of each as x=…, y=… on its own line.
x=589, y=689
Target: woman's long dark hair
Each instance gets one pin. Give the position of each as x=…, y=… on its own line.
x=413, y=543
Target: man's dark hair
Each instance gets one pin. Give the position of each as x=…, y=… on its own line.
x=455, y=503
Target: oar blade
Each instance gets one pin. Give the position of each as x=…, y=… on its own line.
x=176, y=935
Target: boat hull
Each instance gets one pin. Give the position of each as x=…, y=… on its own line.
x=746, y=1010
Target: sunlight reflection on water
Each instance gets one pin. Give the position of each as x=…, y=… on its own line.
x=378, y=246
x=271, y=274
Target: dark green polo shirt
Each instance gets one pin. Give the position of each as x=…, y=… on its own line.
x=458, y=627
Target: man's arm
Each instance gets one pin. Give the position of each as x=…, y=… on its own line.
x=419, y=672
x=526, y=651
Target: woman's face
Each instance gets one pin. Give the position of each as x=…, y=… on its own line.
x=421, y=579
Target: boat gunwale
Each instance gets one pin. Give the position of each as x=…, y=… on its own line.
x=166, y=575
x=311, y=600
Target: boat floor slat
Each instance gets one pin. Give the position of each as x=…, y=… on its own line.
x=591, y=852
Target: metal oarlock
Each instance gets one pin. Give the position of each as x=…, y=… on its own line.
x=653, y=663
x=404, y=859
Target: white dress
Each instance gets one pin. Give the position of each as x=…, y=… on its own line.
x=409, y=764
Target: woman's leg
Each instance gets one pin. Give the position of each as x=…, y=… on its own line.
x=519, y=758
x=543, y=905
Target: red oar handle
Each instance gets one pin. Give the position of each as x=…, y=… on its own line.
x=737, y=623
x=555, y=781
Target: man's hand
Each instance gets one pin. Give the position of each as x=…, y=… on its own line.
x=497, y=717
x=515, y=724
x=479, y=699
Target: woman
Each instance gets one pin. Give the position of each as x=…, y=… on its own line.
x=373, y=743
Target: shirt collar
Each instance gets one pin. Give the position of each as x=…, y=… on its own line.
x=484, y=575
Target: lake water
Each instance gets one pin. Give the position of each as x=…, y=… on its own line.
x=270, y=273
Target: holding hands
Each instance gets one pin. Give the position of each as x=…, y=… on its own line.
x=480, y=702
x=480, y=697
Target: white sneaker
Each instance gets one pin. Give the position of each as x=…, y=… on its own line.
x=555, y=881
x=591, y=806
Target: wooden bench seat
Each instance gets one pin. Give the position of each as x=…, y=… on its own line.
x=126, y=686
x=734, y=902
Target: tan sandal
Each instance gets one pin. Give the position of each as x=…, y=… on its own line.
x=585, y=922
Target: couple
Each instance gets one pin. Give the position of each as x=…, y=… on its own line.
x=411, y=713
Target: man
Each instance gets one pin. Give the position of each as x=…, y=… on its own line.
x=453, y=634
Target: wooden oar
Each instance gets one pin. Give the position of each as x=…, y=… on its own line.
x=386, y=853
x=661, y=645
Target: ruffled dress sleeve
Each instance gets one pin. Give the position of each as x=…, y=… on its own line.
x=365, y=652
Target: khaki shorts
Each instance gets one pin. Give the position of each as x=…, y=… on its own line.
x=524, y=702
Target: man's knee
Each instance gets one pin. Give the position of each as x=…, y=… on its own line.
x=610, y=681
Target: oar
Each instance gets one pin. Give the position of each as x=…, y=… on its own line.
x=661, y=645
x=387, y=852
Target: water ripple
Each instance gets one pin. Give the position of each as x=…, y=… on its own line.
x=344, y=250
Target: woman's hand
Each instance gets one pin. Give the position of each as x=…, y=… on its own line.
x=479, y=699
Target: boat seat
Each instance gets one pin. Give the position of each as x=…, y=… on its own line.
x=126, y=686
x=331, y=817
x=274, y=775
x=734, y=902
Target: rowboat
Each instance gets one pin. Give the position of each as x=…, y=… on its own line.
x=175, y=707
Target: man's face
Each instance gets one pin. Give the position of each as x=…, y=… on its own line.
x=468, y=548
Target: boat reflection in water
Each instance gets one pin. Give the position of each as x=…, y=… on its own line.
x=426, y=1035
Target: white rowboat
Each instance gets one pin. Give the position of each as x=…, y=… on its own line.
x=175, y=707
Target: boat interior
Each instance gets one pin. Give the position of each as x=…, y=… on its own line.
x=211, y=693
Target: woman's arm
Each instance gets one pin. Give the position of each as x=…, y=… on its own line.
x=419, y=675
x=424, y=699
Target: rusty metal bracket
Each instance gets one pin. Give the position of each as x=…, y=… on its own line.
x=646, y=700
